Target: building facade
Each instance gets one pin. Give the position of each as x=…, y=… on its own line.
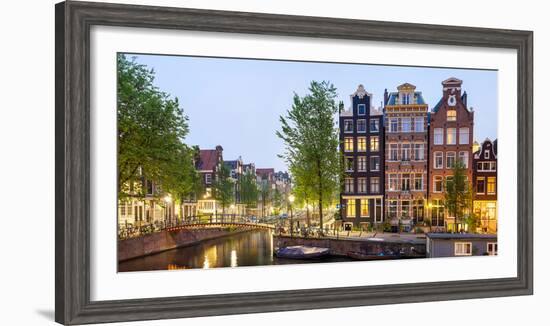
x=210, y=161
x=362, y=147
x=485, y=186
x=406, y=150
x=236, y=171
x=265, y=178
x=451, y=127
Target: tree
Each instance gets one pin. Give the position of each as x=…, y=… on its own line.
x=458, y=194
x=249, y=190
x=265, y=194
x=151, y=130
x=223, y=187
x=277, y=201
x=311, y=144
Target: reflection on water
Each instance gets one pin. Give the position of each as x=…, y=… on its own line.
x=253, y=248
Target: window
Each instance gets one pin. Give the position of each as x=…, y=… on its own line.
x=361, y=144
x=438, y=183
x=491, y=185
x=480, y=185
x=463, y=248
x=208, y=178
x=348, y=144
x=349, y=164
x=492, y=248
x=464, y=136
x=348, y=185
x=487, y=166
x=418, y=152
x=374, y=185
x=149, y=185
x=374, y=125
x=350, y=208
x=438, y=210
x=451, y=115
x=492, y=166
x=393, y=125
x=438, y=136
x=374, y=144
x=123, y=209
x=361, y=125
x=406, y=152
x=451, y=136
x=362, y=185
x=486, y=153
x=393, y=182
x=418, y=181
x=405, y=98
x=378, y=210
x=419, y=124
x=405, y=124
x=364, y=208
x=463, y=158
x=394, y=152
x=362, y=163
x=392, y=208
x=348, y=126
x=418, y=210
x=375, y=163
x=451, y=158
x=361, y=109
x=448, y=181
x=405, y=182
x=405, y=208
x=438, y=160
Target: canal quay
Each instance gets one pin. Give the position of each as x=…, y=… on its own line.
x=245, y=242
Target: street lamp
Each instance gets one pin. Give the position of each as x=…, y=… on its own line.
x=291, y=200
x=167, y=215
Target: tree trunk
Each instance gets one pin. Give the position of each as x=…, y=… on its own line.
x=319, y=174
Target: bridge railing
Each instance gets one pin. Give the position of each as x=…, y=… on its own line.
x=140, y=228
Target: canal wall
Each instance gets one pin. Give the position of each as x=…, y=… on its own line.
x=165, y=240
x=342, y=247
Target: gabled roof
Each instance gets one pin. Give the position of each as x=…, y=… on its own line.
x=264, y=171
x=438, y=105
x=208, y=159
x=484, y=144
x=231, y=164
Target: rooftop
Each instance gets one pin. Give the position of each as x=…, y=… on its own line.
x=459, y=236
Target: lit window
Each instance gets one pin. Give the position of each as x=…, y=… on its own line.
x=438, y=136
x=361, y=144
x=348, y=144
x=451, y=136
x=364, y=208
x=451, y=115
x=491, y=185
x=374, y=144
x=350, y=208
x=348, y=126
x=463, y=249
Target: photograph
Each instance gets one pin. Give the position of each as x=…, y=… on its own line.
x=232, y=162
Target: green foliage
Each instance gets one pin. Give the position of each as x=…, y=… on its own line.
x=311, y=145
x=223, y=186
x=277, y=201
x=458, y=193
x=249, y=190
x=151, y=130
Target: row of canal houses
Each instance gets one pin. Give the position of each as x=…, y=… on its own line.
x=158, y=207
x=398, y=158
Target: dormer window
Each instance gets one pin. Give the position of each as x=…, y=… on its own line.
x=361, y=109
x=405, y=98
x=451, y=115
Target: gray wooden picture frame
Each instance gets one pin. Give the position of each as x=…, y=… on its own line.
x=72, y=170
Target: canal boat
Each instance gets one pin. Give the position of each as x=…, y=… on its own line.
x=361, y=256
x=301, y=252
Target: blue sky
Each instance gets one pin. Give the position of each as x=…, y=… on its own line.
x=236, y=103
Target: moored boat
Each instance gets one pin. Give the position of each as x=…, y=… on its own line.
x=301, y=252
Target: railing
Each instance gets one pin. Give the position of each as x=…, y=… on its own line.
x=140, y=228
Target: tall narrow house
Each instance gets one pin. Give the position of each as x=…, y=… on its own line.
x=485, y=186
x=406, y=133
x=451, y=133
x=362, y=146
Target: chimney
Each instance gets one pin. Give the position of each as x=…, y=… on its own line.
x=385, y=96
x=340, y=107
x=465, y=99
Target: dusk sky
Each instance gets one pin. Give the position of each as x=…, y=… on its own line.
x=236, y=103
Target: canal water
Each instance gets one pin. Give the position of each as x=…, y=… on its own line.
x=254, y=248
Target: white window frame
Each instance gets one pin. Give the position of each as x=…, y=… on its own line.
x=375, y=168
x=377, y=122
x=436, y=154
x=378, y=203
x=462, y=245
x=359, y=110
x=408, y=120
x=420, y=151
x=434, y=182
x=419, y=121
x=392, y=121
x=463, y=156
x=377, y=190
x=364, y=123
x=392, y=148
x=449, y=132
x=350, y=121
x=362, y=168
x=494, y=251
x=439, y=136
x=362, y=185
x=365, y=142
x=374, y=140
x=447, y=156
x=464, y=136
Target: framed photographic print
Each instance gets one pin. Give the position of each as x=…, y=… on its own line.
x=216, y=162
